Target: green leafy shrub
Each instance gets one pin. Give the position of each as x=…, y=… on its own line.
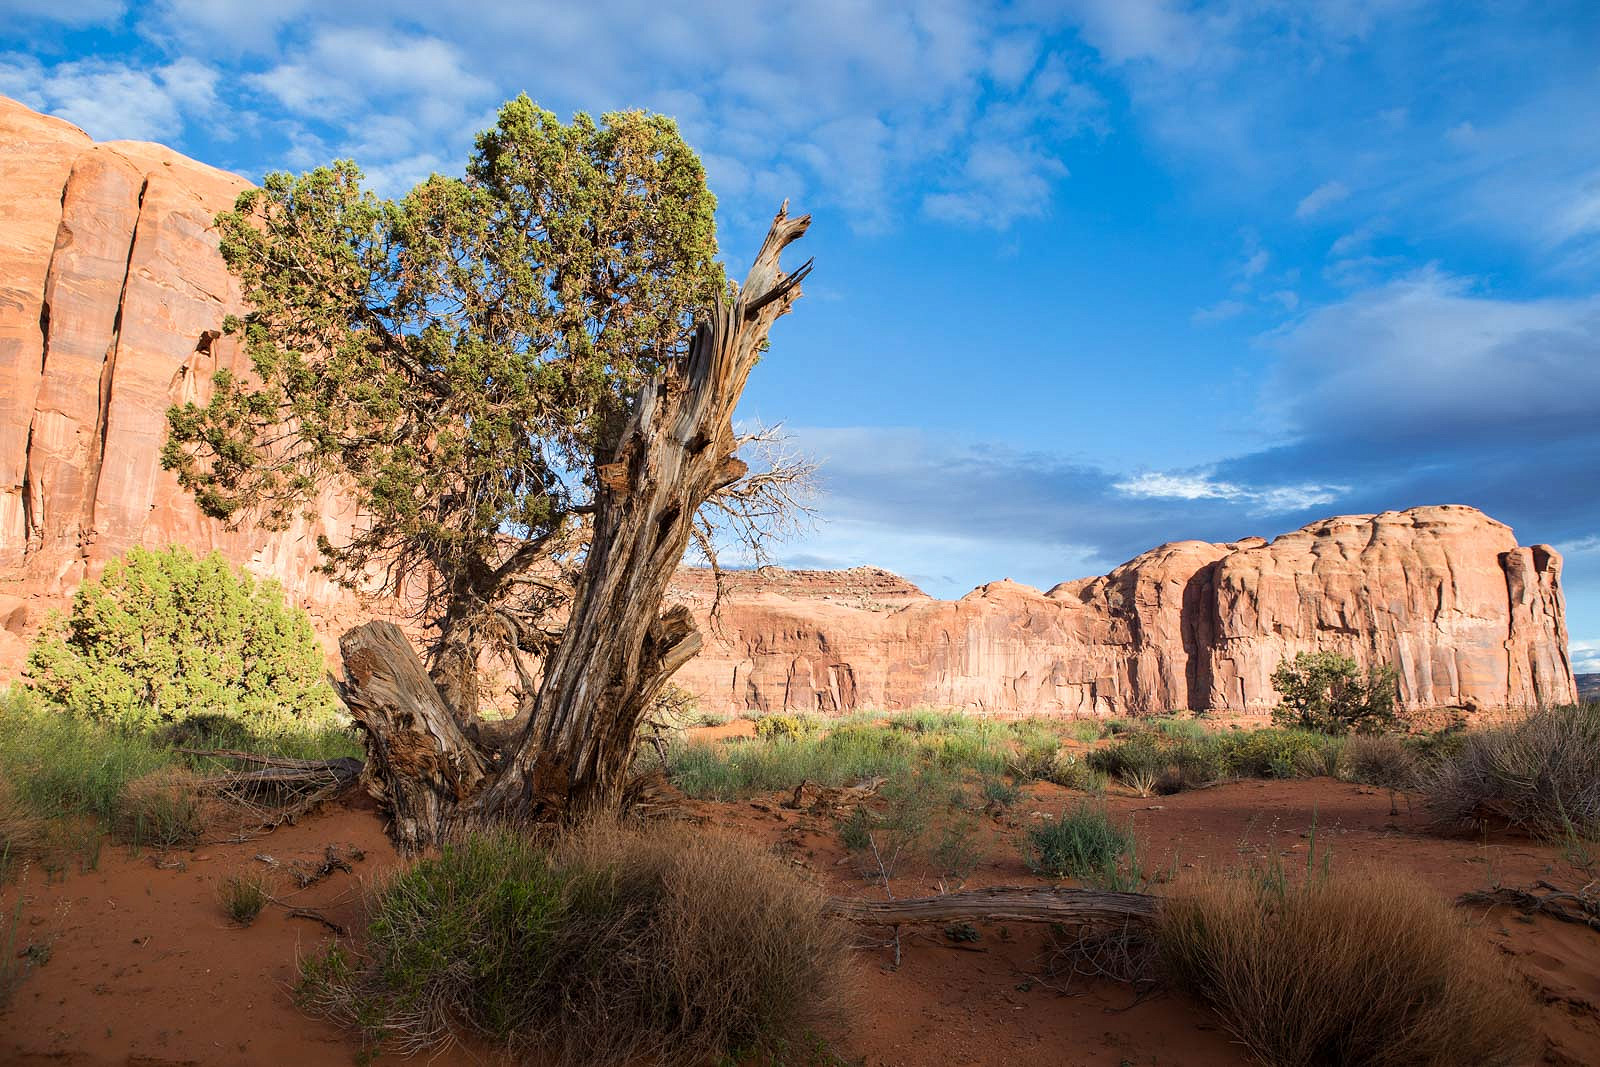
x=615, y=946
x=1374, y=970
x=1541, y=775
x=792, y=727
x=162, y=636
x=1326, y=692
x=1082, y=843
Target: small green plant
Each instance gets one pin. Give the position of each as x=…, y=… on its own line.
x=790, y=727
x=956, y=855
x=1082, y=843
x=163, y=635
x=1327, y=693
x=243, y=896
x=999, y=792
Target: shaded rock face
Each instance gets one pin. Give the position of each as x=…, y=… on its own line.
x=112, y=297
x=1468, y=618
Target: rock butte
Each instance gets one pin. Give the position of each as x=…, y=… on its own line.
x=112, y=296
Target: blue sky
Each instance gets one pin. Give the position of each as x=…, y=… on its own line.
x=1091, y=275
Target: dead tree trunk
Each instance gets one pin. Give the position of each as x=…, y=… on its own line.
x=618, y=648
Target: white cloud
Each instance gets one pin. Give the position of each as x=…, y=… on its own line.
x=1427, y=353
x=1259, y=500
x=113, y=101
x=1325, y=195
x=1585, y=657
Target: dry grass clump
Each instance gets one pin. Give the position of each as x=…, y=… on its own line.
x=1374, y=970
x=615, y=945
x=1540, y=775
x=243, y=896
x=23, y=835
x=168, y=808
x=1378, y=759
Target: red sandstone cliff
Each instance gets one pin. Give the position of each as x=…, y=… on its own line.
x=1468, y=618
x=112, y=296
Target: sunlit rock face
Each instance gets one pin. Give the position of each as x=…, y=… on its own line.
x=112, y=298
x=1468, y=618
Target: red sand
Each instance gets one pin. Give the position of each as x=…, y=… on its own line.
x=145, y=970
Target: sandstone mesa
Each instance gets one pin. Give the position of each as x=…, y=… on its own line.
x=112, y=297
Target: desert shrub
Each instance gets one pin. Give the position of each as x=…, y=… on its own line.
x=168, y=808
x=1541, y=775
x=955, y=855
x=163, y=635
x=1373, y=970
x=23, y=834
x=243, y=896
x=1082, y=843
x=1326, y=692
x=786, y=726
x=1378, y=759
x=999, y=791
x=615, y=945
x=1182, y=729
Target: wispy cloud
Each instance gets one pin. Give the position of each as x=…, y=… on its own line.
x=1323, y=196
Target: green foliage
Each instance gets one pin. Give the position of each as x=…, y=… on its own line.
x=1082, y=843
x=999, y=791
x=616, y=946
x=1325, y=692
x=59, y=765
x=454, y=359
x=1170, y=764
x=162, y=636
x=792, y=727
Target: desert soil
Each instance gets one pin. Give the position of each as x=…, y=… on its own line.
x=143, y=969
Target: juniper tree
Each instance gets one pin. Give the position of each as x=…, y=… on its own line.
x=529, y=369
x=453, y=359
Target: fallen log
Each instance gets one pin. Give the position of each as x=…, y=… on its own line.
x=1035, y=904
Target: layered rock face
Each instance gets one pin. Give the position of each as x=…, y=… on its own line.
x=112, y=297
x=1468, y=618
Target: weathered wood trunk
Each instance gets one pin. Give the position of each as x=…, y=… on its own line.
x=618, y=648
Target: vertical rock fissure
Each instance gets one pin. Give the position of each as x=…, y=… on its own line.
x=108, y=370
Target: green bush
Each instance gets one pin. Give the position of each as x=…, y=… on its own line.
x=664, y=945
x=1082, y=843
x=162, y=636
x=793, y=727
x=1325, y=692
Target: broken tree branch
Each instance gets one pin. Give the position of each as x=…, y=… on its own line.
x=1038, y=904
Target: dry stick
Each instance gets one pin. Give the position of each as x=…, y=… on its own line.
x=1554, y=904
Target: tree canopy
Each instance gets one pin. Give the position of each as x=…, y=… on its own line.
x=453, y=360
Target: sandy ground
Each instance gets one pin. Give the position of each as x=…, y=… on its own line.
x=144, y=969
